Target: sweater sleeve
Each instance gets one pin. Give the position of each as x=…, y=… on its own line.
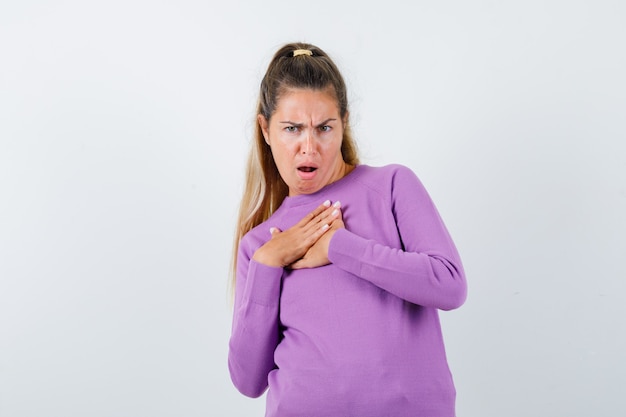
x=427, y=270
x=255, y=330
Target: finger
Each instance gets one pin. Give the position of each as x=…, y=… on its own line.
x=319, y=232
x=336, y=212
x=315, y=213
x=337, y=224
x=274, y=230
x=331, y=214
x=317, y=228
x=301, y=263
x=308, y=262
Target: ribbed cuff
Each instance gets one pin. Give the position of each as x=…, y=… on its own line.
x=263, y=284
x=346, y=250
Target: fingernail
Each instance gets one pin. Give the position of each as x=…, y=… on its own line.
x=327, y=203
x=337, y=204
x=272, y=230
x=334, y=213
x=325, y=227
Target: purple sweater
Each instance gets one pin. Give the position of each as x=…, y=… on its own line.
x=361, y=336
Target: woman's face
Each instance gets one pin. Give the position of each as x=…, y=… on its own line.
x=305, y=134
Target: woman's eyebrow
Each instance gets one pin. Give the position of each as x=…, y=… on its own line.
x=288, y=122
x=326, y=121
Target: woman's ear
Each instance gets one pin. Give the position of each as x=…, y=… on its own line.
x=264, y=127
x=345, y=119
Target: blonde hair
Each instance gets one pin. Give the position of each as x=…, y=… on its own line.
x=264, y=189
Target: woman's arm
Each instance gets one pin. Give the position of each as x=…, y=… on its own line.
x=255, y=330
x=428, y=271
x=255, y=333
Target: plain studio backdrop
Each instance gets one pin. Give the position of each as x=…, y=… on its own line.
x=124, y=127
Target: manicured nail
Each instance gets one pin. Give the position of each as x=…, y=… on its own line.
x=337, y=204
x=325, y=227
x=272, y=230
x=327, y=203
x=334, y=213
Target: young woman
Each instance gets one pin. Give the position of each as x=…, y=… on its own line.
x=340, y=268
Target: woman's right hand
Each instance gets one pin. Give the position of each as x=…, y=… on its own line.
x=286, y=247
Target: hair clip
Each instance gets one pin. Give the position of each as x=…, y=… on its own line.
x=302, y=52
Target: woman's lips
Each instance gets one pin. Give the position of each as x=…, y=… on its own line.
x=307, y=172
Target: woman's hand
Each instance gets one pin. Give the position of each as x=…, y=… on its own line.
x=317, y=255
x=285, y=248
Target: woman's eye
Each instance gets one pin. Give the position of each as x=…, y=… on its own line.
x=325, y=128
x=291, y=129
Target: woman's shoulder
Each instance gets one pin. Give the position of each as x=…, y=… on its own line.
x=384, y=175
x=257, y=236
x=388, y=169
x=254, y=239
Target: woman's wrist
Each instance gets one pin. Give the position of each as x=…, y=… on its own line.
x=264, y=257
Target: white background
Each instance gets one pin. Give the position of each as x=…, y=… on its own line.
x=123, y=132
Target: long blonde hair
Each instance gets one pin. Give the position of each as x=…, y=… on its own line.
x=264, y=189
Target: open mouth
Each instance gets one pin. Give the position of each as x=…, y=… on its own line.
x=306, y=169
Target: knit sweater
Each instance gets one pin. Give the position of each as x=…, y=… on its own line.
x=360, y=336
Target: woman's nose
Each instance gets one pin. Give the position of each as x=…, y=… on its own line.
x=308, y=145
